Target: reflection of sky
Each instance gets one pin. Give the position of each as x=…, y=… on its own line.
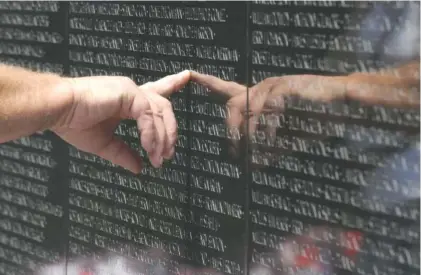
x=403, y=41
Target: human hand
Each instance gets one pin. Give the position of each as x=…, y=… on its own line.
x=101, y=102
x=267, y=98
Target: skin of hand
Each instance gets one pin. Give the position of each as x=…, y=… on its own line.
x=85, y=111
x=265, y=98
x=401, y=85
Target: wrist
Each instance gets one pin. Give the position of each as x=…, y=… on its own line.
x=61, y=102
x=339, y=86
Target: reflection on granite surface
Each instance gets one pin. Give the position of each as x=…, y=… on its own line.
x=298, y=148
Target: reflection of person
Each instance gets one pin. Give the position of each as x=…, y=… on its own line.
x=398, y=87
x=85, y=111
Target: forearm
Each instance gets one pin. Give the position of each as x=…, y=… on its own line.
x=29, y=101
x=399, y=87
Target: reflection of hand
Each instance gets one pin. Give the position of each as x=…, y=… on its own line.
x=99, y=103
x=267, y=97
x=396, y=88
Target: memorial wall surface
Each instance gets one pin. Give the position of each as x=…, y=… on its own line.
x=310, y=187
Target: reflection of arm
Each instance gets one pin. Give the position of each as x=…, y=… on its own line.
x=399, y=87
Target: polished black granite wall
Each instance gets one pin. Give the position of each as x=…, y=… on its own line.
x=337, y=193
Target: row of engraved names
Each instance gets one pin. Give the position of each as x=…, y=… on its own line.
x=142, y=28
x=395, y=183
x=332, y=21
x=285, y=203
x=308, y=61
x=128, y=61
x=151, y=11
x=163, y=48
x=326, y=4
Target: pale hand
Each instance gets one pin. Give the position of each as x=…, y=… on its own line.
x=101, y=102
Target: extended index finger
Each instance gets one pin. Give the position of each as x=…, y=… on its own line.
x=215, y=84
x=169, y=84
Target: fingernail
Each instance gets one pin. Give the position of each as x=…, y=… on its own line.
x=160, y=161
x=185, y=72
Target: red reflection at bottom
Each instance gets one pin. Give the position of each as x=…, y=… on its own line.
x=351, y=240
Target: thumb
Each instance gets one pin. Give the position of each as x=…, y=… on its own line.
x=119, y=153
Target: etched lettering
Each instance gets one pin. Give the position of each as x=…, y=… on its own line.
x=24, y=170
x=51, y=6
x=22, y=230
x=23, y=185
x=33, y=203
x=30, y=35
x=22, y=215
x=21, y=50
x=25, y=20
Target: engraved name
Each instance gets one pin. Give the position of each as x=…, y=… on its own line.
x=23, y=185
x=21, y=154
x=30, y=35
x=24, y=170
x=22, y=215
x=49, y=6
x=21, y=50
x=32, y=203
x=25, y=19
x=27, y=247
x=22, y=230
x=152, y=11
x=209, y=52
x=34, y=65
x=19, y=259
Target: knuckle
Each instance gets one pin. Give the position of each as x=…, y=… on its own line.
x=144, y=105
x=230, y=104
x=166, y=104
x=126, y=80
x=172, y=131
